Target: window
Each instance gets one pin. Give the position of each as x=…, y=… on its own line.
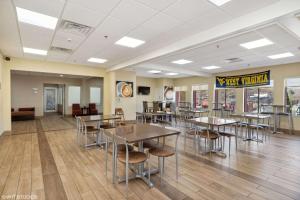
x=256, y=97
x=292, y=95
x=74, y=95
x=200, y=96
x=95, y=95
x=225, y=98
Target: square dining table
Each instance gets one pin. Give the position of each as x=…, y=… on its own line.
x=139, y=134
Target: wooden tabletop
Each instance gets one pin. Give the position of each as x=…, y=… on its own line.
x=251, y=115
x=89, y=118
x=215, y=121
x=141, y=132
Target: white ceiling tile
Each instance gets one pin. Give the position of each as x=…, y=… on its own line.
x=158, y=5
x=52, y=8
x=241, y=7
x=133, y=12
x=35, y=37
x=101, y=6
x=76, y=13
x=189, y=9
x=158, y=24
x=61, y=39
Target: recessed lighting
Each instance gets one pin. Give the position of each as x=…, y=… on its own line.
x=61, y=75
x=219, y=2
x=282, y=55
x=182, y=62
x=257, y=43
x=36, y=19
x=129, y=42
x=172, y=74
x=35, y=51
x=154, y=71
x=211, y=67
x=97, y=60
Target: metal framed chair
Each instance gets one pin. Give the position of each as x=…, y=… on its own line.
x=127, y=157
x=162, y=151
x=89, y=131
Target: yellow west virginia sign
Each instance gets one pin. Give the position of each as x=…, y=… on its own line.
x=240, y=81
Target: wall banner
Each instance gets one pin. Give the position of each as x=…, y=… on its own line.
x=241, y=81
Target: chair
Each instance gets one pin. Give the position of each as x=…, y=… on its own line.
x=76, y=110
x=92, y=109
x=88, y=131
x=162, y=151
x=127, y=157
x=119, y=112
x=229, y=135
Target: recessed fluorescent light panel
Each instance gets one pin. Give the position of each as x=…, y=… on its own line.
x=172, y=74
x=211, y=67
x=97, y=60
x=182, y=62
x=282, y=55
x=154, y=71
x=35, y=51
x=36, y=19
x=219, y=2
x=257, y=43
x=129, y=42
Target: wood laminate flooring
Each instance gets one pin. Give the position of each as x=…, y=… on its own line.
x=48, y=164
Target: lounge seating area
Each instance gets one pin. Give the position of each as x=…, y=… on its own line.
x=22, y=114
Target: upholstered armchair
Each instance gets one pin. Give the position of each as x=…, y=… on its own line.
x=76, y=110
x=92, y=109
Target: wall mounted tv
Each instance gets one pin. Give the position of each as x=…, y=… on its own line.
x=143, y=90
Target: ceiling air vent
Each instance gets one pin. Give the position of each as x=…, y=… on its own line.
x=233, y=60
x=75, y=28
x=61, y=50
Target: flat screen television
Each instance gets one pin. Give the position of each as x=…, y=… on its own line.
x=143, y=90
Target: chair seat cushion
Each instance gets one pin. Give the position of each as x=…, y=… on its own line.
x=134, y=157
x=91, y=129
x=162, y=151
x=209, y=135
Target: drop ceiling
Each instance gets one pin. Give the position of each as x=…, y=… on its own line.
x=160, y=24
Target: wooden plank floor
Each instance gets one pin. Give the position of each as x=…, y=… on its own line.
x=50, y=165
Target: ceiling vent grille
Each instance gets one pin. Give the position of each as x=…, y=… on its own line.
x=233, y=60
x=61, y=50
x=75, y=28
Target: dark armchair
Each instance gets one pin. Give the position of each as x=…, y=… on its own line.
x=76, y=110
x=92, y=109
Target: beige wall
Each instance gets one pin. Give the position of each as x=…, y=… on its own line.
x=128, y=104
x=1, y=96
x=85, y=94
x=278, y=74
x=47, y=67
x=22, y=94
x=148, y=82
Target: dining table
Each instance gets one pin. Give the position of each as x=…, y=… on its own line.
x=99, y=119
x=211, y=123
x=139, y=134
x=250, y=117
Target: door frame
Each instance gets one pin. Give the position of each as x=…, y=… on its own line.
x=45, y=99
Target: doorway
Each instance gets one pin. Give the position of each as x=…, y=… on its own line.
x=50, y=99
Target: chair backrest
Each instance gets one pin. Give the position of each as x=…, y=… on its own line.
x=75, y=106
x=145, y=106
x=122, y=130
x=92, y=106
